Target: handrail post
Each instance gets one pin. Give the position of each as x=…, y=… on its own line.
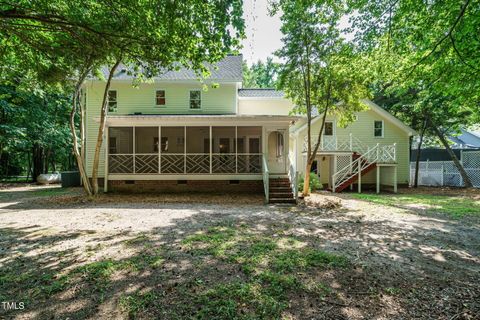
x=351, y=142
x=378, y=152
x=395, y=152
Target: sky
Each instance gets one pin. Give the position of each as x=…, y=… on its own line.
x=263, y=35
x=262, y=31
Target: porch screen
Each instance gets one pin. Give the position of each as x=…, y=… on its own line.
x=249, y=149
x=223, y=150
x=146, y=150
x=173, y=150
x=120, y=147
x=198, y=150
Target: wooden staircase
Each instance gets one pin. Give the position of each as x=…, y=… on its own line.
x=280, y=191
x=369, y=167
x=360, y=165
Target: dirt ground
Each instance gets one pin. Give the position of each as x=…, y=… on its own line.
x=402, y=263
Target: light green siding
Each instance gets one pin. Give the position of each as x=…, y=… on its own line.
x=221, y=100
x=362, y=129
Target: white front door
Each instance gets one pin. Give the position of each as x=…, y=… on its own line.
x=277, y=160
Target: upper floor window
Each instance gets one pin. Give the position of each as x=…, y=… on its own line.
x=112, y=100
x=160, y=98
x=195, y=99
x=328, y=130
x=378, y=129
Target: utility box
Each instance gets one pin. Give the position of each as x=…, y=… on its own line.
x=70, y=179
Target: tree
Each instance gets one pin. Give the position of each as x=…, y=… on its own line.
x=430, y=48
x=318, y=74
x=147, y=36
x=260, y=74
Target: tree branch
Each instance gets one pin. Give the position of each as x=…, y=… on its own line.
x=442, y=39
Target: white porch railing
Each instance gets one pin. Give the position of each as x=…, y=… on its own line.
x=266, y=178
x=377, y=154
x=293, y=176
x=181, y=163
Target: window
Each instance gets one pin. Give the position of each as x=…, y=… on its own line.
x=328, y=130
x=378, y=129
x=112, y=100
x=160, y=98
x=279, y=145
x=195, y=99
x=155, y=144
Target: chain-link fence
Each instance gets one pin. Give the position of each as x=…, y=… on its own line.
x=445, y=173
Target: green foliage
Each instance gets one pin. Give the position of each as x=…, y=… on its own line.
x=314, y=182
x=33, y=125
x=261, y=74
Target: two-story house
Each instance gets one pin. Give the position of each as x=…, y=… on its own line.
x=173, y=135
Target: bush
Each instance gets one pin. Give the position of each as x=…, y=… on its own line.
x=314, y=182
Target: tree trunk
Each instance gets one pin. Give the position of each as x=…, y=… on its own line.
x=46, y=161
x=306, y=179
x=419, y=150
x=37, y=160
x=466, y=179
x=101, y=129
x=29, y=165
x=78, y=156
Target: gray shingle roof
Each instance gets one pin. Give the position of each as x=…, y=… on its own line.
x=260, y=93
x=228, y=69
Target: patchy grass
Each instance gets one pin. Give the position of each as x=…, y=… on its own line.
x=273, y=269
x=454, y=206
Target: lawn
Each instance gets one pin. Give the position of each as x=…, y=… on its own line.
x=153, y=257
x=455, y=206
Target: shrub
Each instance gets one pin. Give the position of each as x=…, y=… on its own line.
x=314, y=182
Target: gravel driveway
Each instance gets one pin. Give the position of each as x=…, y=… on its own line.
x=402, y=264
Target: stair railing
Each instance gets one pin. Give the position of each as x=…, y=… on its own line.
x=293, y=177
x=266, y=178
x=355, y=167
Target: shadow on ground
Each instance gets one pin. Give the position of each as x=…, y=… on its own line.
x=230, y=261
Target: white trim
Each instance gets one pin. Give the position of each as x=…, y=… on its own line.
x=374, y=107
x=151, y=176
x=263, y=98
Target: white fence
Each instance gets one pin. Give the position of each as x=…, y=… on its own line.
x=445, y=173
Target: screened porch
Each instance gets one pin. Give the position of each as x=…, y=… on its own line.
x=171, y=150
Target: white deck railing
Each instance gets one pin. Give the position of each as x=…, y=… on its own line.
x=181, y=163
x=377, y=154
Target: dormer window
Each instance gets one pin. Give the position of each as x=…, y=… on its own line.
x=112, y=100
x=160, y=98
x=195, y=99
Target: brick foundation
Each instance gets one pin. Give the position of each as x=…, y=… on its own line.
x=198, y=186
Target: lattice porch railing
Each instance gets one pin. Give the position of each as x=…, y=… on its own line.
x=190, y=163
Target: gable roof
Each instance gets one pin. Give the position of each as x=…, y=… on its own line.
x=379, y=110
x=467, y=139
x=260, y=93
x=227, y=69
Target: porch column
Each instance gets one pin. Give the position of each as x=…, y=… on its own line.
x=378, y=179
x=395, y=179
x=359, y=177
x=211, y=144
